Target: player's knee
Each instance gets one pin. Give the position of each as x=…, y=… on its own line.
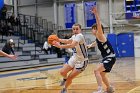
x=62, y=72
x=103, y=74
x=96, y=71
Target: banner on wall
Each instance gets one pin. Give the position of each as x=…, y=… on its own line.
x=70, y=14
x=89, y=17
x=1, y=3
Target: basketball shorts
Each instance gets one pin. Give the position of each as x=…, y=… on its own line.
x=108, y=63
x=78, y=63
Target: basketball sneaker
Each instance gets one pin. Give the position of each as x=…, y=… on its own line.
x=110, y=90
x=63, y=90
x=99, y=91
x=62, y=82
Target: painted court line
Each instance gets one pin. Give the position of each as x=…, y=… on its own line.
x=133, y=90
x=29, y=71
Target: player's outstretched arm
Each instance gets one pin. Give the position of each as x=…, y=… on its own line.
x=91, y=45
x=54, y=37
x=100, y=35
x=13, y=57
x=71, y=45
x=66, y=41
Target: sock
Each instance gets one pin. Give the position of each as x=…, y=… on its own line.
x=64, y=88
x=100, y=88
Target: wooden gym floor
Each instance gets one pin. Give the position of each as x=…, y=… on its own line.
x=125, y=77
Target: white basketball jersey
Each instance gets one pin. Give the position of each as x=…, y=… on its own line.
x=80, y=50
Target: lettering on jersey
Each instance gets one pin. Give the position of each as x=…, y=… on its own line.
x=74, y=50
x=108, y=51
x=105, y=46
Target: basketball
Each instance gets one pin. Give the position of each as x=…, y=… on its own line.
x=52, y=38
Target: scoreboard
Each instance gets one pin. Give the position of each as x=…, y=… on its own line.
x=132, y=9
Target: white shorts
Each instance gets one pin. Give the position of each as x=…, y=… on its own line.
x=79, y=64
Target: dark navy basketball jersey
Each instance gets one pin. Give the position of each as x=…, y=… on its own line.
x=105, y=48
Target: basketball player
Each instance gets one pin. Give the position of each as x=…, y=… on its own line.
x=107, y=53
x=13, y=57
x=78, y=61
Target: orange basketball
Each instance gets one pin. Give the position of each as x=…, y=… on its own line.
x=52, y=38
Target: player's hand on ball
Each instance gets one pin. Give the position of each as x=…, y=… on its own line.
x=56, y=44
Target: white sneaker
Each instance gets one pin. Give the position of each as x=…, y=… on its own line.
x=63, y=90
x=99, y=91
x=105, y=92
x=62, y=83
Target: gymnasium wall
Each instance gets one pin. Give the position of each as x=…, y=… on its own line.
x=43, y=11
x=103, y=9
x=101, y=4
x=46, y=10
x=118, y=6
x=31, y=10
x=26, y=2
x=61, y=19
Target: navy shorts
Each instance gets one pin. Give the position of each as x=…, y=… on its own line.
x=108, y=63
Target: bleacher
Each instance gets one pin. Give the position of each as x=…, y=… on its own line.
x=28, y=38
x=28, y=57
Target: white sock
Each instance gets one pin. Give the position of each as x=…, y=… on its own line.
x=100, y=87
x=64, y=87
